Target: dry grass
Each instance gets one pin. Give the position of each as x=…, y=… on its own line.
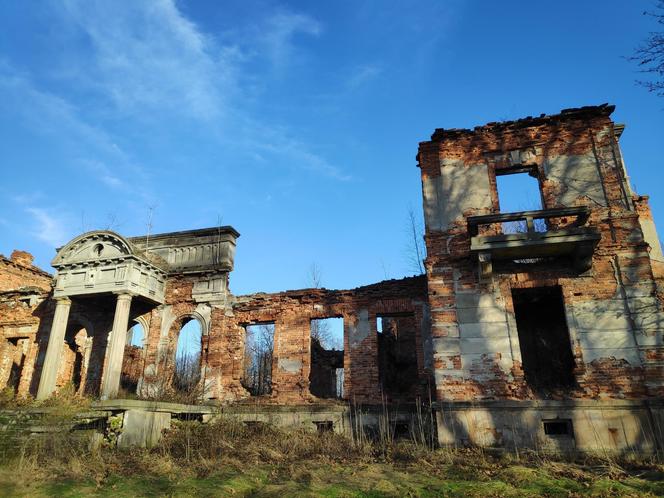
x=227, y=457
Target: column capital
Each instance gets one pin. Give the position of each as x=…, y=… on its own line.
x=62, y=300
x=124, y=296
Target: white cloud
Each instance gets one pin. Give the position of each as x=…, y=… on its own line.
x=280, y=141
x=363, y=74
x=147, y=58
x=277, y=35
x=48, y=228
x=105, y=175
x=51, y=114
x=148, y=55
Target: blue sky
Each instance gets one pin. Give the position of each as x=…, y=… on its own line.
x=296, y=123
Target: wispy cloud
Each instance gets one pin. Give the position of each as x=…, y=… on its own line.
x=48, y=228
x=278, y=31
x=363, y=74
x=148, y=55
x=105, y=175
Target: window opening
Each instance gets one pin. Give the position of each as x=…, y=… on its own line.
x=546, y=351
x=132, y=362
x=17, y=351
x=324, y=426
x=519, y=190
x=188, y=356
x=397, y=354
x=136, y=336
x=558, y=427
x=326, y=374
x=258, y=356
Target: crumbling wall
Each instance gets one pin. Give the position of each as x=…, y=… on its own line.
x=613, y=311
x=292, y=312
x=132, y=368
x=221, y=347
x=24, y=307
x=323, y=375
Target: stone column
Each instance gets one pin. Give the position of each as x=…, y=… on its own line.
x=56, y=338
x=116, y=346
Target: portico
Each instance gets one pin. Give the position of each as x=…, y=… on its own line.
x=100, y=265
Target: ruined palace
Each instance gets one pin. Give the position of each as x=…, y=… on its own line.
x=536, y=328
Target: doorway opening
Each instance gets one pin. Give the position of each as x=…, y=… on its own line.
x=258, y=354
x=326, y=374
x=397, y=354
x=546, y=350
x=187, y=373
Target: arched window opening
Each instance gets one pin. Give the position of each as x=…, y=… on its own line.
x=132, y=361
x=136, y=336
x=258, y=354
x=187, y=373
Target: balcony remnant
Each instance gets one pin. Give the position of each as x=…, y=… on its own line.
x=562, y=238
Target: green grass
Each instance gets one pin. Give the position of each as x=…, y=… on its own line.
x=226, y=458
x=343, y=480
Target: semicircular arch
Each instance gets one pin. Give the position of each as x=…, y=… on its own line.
x=98, y=244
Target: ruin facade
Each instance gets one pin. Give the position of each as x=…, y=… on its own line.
x=531, y=328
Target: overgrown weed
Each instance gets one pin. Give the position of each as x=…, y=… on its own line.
x=196, y=450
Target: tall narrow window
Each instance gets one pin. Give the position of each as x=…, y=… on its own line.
x=188, y=356
x=546, y=351
x=258, y=353
x=16, y=351
x=397, y=354
x=326, y=375
x=132, y=361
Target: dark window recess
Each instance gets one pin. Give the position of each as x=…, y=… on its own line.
x=562, y=427
x=324, y=426
x=546, y=351
x=17, y=366
x=326, y=375
x=402, y=430
x=397, y=355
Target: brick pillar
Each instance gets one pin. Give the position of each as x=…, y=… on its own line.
x=116, y=345
x=54, y=350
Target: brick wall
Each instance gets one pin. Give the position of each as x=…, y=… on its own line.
x=613, y=311
x=24, y=307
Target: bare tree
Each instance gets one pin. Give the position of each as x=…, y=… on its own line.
x=187, y=373
x=320, y=330
x=148, y=226
x=415, y=251
x=650, y=54
x=315, y=276
x=258, y=356
x=112, y=221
